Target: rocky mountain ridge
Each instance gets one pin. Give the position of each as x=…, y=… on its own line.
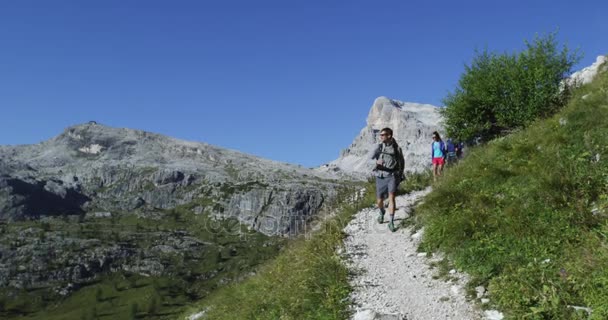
x=91, y=167
x=99, y=201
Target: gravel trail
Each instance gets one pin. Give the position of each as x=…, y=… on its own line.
x=394, y=281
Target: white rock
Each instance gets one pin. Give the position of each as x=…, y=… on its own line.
x=587, y=74
x=92, y=149
x=480, y=291
x=365, y=315
x=196, y=316
x=493, y=315
x=422, y=254
x=103, y=214
x=485, y=300
x=586, y=309
x=388, y=316
x=453, y=271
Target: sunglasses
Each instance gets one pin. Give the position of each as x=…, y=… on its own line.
x=384, y=134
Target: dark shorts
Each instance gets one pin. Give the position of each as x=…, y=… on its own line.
x=386, y=185
x=451, y=157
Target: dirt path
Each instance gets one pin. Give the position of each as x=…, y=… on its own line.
x=393, y=280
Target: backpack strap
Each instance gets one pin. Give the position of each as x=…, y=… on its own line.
x=400, y=161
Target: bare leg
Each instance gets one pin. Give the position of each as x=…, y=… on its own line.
x=391, y=211
x=380, y=203
x=434, y=172
x=391, y=203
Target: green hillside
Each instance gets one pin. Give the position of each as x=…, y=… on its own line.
x=526, y=214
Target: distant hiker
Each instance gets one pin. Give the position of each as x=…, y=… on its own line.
x=459, y=147
x=438, y=153
x=389, y=173
x=450, y=148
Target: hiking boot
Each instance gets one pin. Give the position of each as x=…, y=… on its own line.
x=391, y=226
x=380, y=218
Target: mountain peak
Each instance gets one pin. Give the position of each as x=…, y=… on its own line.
x=412, y=125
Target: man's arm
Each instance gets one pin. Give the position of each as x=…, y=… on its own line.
x=376, y=153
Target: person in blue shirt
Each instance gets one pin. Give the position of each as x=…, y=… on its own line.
x=451, y=149
x=438, y=153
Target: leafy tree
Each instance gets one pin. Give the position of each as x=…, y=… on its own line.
x=500, y=93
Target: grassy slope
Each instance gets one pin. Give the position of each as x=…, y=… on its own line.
x=123, y=295
x=527, y=214
x=307, y=281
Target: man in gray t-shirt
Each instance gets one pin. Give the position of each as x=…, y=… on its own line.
x=389, y=172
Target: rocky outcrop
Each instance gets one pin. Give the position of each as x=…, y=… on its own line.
x=587, y=74
x=37, y=258
x=31, y=198
x=412, y=125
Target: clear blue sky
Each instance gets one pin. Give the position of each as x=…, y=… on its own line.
x=286, y=80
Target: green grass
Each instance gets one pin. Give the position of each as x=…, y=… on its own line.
x=526, y=214
x=415, y=182
x=306, y=281
x=115, y=297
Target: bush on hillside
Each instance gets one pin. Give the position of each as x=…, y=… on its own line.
x=499, y=93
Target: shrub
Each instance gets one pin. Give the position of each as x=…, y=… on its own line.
x=499, y=93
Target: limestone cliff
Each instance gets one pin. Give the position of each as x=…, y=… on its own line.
x=412, y=125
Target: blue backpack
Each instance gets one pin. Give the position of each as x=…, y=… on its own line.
x=451, y=148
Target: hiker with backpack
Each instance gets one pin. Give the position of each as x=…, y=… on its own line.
x=459, y=147
x=451, y=149
x=388, y=170
x=438, y=153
